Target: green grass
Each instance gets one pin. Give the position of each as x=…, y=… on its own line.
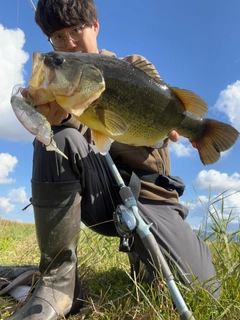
x=109, y=291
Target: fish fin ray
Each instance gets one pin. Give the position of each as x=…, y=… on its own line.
x=149, y=69
x=194, y=104
x=218, y=137
x=102, y=142
x=113, y=123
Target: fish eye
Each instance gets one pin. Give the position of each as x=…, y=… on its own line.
x=58, y=60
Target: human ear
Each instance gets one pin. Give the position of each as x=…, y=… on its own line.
x=96, y=27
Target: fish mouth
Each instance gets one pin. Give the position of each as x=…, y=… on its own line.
x=40, y=80
x=37, y=60
x=66, y=79
x=40, y=75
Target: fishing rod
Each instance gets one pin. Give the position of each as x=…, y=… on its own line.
x=34, y=9
x=32, y=5
x=128, y=222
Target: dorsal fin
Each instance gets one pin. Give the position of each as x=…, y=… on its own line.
x=149, y=69
x=194, y=104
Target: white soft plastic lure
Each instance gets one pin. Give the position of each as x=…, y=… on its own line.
x=33, y=121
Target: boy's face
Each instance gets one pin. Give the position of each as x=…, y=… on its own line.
x=87, y=43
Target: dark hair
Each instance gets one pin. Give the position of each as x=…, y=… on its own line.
x=53, y=15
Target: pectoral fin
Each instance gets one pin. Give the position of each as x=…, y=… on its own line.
x=112, y=122
x=102, y=142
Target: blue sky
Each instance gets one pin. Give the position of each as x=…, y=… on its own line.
x=193, y=44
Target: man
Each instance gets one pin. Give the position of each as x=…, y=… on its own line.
x=82, y=188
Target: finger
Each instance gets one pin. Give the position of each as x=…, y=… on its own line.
x=24, y=93
x=173, y=136
x=43, y=109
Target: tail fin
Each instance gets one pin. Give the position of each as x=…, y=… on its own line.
x=218, y=136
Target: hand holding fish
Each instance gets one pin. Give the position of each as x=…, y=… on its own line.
x=53, y=112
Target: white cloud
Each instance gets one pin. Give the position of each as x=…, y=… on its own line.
x=7, y=165
x=223, y=197
x=18, y=196
x=12, y=60
x=228, y=102
x=217, y=181
x=14, y=197
x=182, y=148
x=5, y=205
x=221, y=207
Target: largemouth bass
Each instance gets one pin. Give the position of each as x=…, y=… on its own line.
x=126, y=102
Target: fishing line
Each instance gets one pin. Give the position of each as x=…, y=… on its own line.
x=34, y=9
x=15, y=55
x=17, y=19
x=16, y=44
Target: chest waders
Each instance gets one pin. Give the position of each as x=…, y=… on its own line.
x=128, y=221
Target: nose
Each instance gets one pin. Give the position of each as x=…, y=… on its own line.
x=70, y=44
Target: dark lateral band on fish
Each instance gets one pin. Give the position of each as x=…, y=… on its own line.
x=126, y=102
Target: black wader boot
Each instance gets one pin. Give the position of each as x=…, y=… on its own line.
x=57, y=211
